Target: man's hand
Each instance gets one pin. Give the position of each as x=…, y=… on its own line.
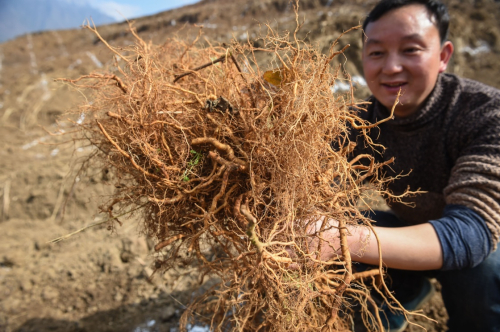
x=325, y=239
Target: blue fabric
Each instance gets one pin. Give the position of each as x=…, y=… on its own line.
x=464, y=236
x=471, y=295
x=396, y=321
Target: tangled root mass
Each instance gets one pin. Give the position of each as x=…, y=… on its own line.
x=231, y=161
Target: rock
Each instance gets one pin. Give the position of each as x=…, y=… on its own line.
x=41, y=246
x=92, y=309
x=50, y=294
x=168, y=313
x=126, y=254
x=118, y=297
x=25, y=285
x=7, y=262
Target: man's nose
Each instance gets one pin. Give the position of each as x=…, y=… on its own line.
x=392, y=64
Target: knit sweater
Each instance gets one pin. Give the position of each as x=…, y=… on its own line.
x=450, y=148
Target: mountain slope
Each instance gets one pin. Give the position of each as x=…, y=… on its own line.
x=22, y=16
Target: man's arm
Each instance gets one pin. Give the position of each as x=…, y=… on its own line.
x=409, y=248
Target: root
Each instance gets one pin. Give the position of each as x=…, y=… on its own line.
x=220, y=59
x=168, y=242
x=123, y=152
x=119, y=82
x=378, y=123
x=252, y=222
x=228, y=168
x=221, y=147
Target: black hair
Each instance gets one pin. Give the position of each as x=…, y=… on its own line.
x=437, y=10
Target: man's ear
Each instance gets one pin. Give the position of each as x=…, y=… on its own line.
x=445, y=55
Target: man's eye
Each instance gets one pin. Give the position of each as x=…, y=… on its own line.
x=375, y=54
x=411, y=50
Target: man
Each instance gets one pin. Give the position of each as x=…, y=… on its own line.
x=446, y=131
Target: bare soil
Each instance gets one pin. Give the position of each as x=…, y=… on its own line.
x=100, y=279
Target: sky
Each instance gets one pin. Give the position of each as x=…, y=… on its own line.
x=131, y=9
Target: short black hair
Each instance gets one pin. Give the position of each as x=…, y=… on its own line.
x=436, y=9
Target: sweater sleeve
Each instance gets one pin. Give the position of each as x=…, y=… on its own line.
x=464, y=236
x=475, y=177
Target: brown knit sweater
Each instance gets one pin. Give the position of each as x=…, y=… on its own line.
x=452, y=148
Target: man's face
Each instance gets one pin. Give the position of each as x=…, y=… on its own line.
x=403, y=51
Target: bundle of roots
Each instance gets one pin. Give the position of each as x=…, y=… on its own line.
x=231, y=161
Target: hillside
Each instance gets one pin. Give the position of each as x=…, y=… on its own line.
x=98, y=280
x=23, y=16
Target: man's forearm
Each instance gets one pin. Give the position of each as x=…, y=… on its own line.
x=407, y=248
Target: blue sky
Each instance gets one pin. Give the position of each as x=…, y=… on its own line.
x=131, y=9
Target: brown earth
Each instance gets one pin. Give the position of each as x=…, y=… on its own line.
x=98, y=280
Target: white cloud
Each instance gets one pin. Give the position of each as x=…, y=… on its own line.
x=78, y=2
x=117, y=10
x=120, y=9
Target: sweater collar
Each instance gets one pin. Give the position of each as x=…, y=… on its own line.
x=431, y=108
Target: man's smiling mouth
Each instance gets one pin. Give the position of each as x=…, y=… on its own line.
x=393, y=85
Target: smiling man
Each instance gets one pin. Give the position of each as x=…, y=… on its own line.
x=405, y=50
x=446, y=135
